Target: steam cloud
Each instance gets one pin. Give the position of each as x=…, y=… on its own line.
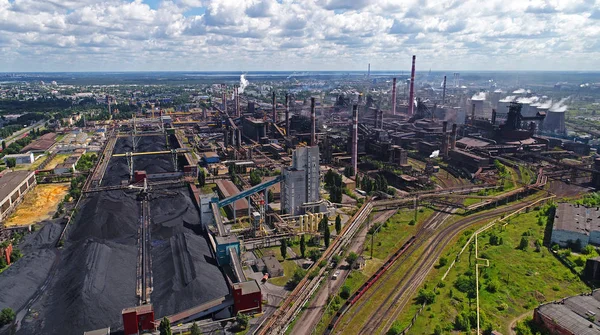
x=479, y=96
x=434, y=154
x=560, y=106
x=243, y=83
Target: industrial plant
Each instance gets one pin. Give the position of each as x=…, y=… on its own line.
x=247, y=194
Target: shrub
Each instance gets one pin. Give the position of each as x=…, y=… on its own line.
x=588, y=249
x=7, y=315
x=425, y=297
x=345, y=292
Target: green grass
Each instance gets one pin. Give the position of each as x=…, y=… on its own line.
x=525, y=279
x=389, y=239
x=289, y=266
x=207, y=188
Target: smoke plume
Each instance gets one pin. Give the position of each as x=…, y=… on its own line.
x=434, y=154
x=243, y=83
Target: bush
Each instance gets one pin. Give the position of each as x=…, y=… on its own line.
x=425, y=297
x=588, y=249
x=579, y=261
x=7, y=315
x=345, y=292
x=443, y=262
x=296, y=277
x=352, y=257
x=524, y=243
x=492, y=286
x=437, y=330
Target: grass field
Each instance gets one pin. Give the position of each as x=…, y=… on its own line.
x=39, y=204
x=515, y=282
x=289, y=266
x=58, y=159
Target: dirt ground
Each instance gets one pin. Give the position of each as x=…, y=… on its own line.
x=56, y=160
x=38, y=205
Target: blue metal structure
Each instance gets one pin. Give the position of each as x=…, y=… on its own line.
x=250, y=191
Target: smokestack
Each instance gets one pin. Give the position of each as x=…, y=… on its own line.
x=376, y=118
x=453, y=142
x=444, y=92
x=473, y=115
x=235, y=101
x=394, y=96
x=287, y=114
x=274, y=117
x=381, y=119
x=444, y=139
x=493, y=116
x=355, y=138
x=369, y=71
x=411, y=94
x=313, y=123
x=225, y=98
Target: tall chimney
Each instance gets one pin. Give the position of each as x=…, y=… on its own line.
x=444, y=139
x=225, y=98
x=394, y=96
x=411, y=94
x=235, y=101
x=274, y=117
x=369, y=71
x=473, y=115
x=355, y=139
x=313, y=123
x=453, y=142
x=380, y=119
x=444, y=92
x=376, y=118
x=493, y=116
x=287, y=114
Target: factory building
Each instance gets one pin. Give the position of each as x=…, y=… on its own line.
x=227, y=189
x=21, y=158
x=301, y=180
x=137, y=320
x=13, y=187
x=254, y=129
x=573, y=315
x=247, y=297
x=574, y=223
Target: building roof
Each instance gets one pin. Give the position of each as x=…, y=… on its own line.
x=210, y=154
x=228, y=189
x=11, y=180
x=576, y=218
x=473, y=142
x=572, y=313
x=43, y=143
x=248, y=287
x=139, y=309
x=103, y=331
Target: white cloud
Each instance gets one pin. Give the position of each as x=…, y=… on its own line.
x=57, y=35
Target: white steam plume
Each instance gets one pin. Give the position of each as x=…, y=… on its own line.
x=479, y=96
x=243, y=83
x=560, y=106
x=434, y=154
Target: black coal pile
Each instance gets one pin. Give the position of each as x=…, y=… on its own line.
x=118, y=169
x=20, y=281
x=184, y=270
x=97, y=274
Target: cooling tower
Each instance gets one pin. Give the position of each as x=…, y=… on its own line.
x=555, y=122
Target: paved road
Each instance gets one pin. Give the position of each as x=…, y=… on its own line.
x=18, y=134
x=308, y=321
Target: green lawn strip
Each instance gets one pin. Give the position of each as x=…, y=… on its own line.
x=524, y=279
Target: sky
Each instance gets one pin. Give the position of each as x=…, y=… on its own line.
x=297, y=35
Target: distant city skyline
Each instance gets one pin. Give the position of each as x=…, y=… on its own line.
x=286, y=35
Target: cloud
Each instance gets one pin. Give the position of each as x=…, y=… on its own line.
x=298, y=34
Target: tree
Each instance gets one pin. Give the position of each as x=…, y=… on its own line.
x=270, y=196
x=349, y=171
x=524, y=243
x=338, y=224
x=3, y=145
x=323, y=223
x=443, y=262
x=425, y=297
x=242, y=320
x=351, y=258
x=302, y=246
x=11, y=162
x=195, y=330
x=437, y=330
x=201, y=178
x=495, y=239
x=345, y=292
x=165, y=327
x=283, y=248
x=7, y=315
x=254, y=178
x=327, y=236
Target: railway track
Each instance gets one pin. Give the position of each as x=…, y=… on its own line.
x=385, y=314
x=289, y=309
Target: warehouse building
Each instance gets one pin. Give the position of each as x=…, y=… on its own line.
x=13, y=187
x=21, y=158
x=301, y=185
x=573, y=315
x=576, y=222
x=227, y=189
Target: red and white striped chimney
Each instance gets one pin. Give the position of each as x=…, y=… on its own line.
x=411, y=94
